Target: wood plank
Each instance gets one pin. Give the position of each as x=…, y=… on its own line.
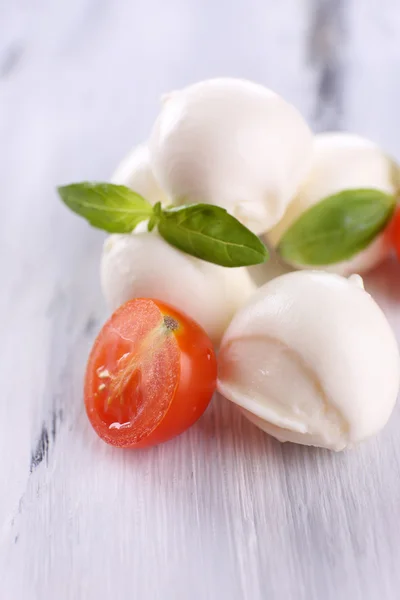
x=223, y=511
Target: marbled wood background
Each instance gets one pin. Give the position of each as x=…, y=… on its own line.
x=223, y=512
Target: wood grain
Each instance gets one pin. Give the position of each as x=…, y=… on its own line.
x=224, y=511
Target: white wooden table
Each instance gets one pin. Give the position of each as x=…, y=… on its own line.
x=223, y=512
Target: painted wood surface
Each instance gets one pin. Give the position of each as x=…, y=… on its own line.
x=224, y=511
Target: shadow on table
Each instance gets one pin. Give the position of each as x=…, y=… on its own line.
x=224, y=421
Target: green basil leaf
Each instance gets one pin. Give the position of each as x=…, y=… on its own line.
x=337, y=228
x=114, y=208
x=212, y=234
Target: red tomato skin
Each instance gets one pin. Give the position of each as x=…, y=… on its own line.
x=196, y=381
x=395, y=231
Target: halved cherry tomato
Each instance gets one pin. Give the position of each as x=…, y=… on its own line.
x=151, y=374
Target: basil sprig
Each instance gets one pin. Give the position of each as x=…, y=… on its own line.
x=202, y=230
x=337, y=228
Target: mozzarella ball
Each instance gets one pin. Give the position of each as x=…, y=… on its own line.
x=342, y=161
x=144, y=265
x=135, y=173
x=232, y=143
x=312, y=359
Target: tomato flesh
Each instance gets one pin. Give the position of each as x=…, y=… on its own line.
x=150, y=375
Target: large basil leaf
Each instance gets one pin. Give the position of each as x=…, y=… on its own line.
x=212, y=234
x=337, y=228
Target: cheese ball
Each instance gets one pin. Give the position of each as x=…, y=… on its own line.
x=343, y=161
x=312, y=359
x=232, y=143
x=136, y=173
x=144, y=265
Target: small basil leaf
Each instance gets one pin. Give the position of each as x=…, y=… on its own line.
x=212, y=234
x=337, y=228
x=152, y=222
x=155, y=217
x=114, y=208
